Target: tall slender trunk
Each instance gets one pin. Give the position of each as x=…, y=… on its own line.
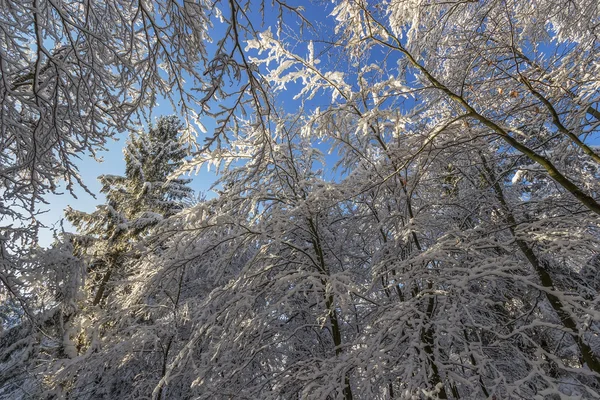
x=102, y=287
x=336, y=332
x=427, y=337
x=428, y=332
x=564, y=315
x=474, y=363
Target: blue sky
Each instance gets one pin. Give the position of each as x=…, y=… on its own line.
x=113, y=162
x=113, y=157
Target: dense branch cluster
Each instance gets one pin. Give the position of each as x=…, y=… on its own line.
x=407, y=202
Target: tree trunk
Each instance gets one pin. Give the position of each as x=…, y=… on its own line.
x=565, y=317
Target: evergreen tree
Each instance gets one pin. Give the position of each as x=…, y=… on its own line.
x=135, y=202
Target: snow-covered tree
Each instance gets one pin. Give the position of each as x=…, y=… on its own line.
x=135, y=202
x=451, y=252
x=64, y=321
x=46, y=327
x=74, y=73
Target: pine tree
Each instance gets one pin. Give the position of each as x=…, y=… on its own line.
x=135, y=202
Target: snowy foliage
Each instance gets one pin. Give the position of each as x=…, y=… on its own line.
x=135, y=202
x=451, y=252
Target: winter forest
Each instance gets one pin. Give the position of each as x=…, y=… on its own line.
x=406, y=204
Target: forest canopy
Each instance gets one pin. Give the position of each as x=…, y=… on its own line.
x=406, y=207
